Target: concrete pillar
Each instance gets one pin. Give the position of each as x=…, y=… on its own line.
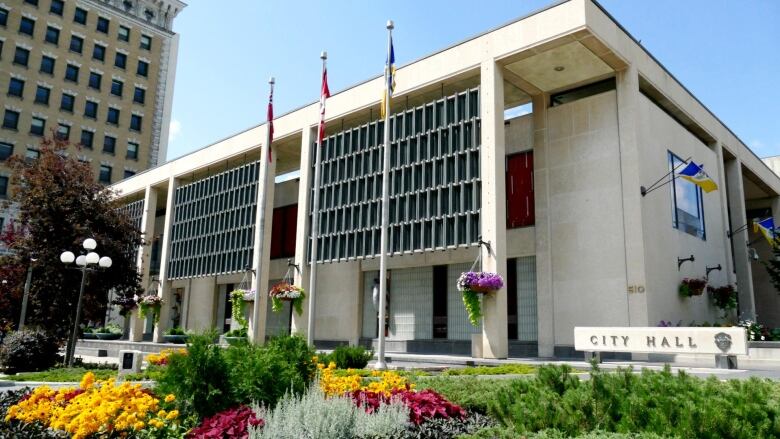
x=720, y=179
x=302, y=230
x=144, y=257
x=628, y=109
x=736, y=200
x=261, y=255
x=493, y=210
x=545, y=304
x=165, y=285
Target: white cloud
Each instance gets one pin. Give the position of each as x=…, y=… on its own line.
x=764, y=149
x=174, y=130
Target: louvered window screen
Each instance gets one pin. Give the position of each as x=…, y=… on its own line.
x=434, y=177
x=213, y=223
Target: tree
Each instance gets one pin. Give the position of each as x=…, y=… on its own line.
x=60, y=204
x=773, y=265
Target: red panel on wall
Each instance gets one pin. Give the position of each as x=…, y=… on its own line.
x=283, y=232
x=520, y=190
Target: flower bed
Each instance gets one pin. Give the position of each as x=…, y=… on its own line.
x=285, y=291
x=98, y=408
x=163, y=357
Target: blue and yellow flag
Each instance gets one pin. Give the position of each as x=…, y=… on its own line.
x=387, y=93
x=767, y=228
x=696, y=175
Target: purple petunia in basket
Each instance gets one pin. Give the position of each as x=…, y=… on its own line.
x=480, y=281
x=474, y=283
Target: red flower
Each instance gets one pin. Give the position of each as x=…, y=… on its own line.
x=229, y=424
x=423, y=405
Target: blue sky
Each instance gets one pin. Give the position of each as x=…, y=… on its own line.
x=725, y=52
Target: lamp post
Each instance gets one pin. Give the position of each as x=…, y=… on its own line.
x=83, y=262
x=26, y=296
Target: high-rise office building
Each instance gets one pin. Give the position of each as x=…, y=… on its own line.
x=99, y=73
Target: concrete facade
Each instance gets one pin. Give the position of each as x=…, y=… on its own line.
x=605, y=119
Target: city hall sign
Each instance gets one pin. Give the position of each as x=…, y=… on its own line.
x=662, y=340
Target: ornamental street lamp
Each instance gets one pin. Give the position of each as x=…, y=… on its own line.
x=83, y=262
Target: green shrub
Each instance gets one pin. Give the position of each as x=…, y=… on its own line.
x=211, y=379
x=651, y=402
x=175, y=331
x=349, y=357
x=471, y=393
x=201, y=379
x=509, y=433
x=504, y=369
x=238, y=332
x=28, y=350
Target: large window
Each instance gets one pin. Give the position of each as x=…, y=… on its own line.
x=116, y=87
x=91, y=109
x=112, y=116
x=105, y=174
x=102, y=25
x=3, y=187
x=123, y=34
x=109, y=144
x=132, y=150
x=42, y=95
x=21, y=56
x=6, y=149
x=26, y=26
x=37, y=126
x=80, y=16
x=139, y=95
x=63, y=132
x=3, y=16
x=52, y=35
x=66, y=104
x=95, y=79
x=11, y=119
x=16, y=87
x=135, y=122
x=120, y=61
x=143, y=69
x=47, y=65
x=87, y=138
x=72, y=73
x=99, y=52
x=687, y=206
x=57, y=6
x=76, y=44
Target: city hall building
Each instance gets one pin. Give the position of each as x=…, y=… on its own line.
x=554, y=192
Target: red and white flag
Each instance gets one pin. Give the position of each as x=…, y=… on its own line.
x=323, y=96
x=270, y=118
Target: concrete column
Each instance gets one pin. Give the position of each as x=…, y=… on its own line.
x=144, y=257
x=261, y=255
x=627, y=105
x=736, y=200
x=720, y=179
x=545, y=304
x=165, y=285
x=493, y=209
x=302, y=230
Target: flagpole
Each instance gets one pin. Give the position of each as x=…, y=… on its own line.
x=315, y=205
x=380, y=359
x=261, y=225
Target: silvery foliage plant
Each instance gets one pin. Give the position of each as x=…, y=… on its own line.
x=312, y=416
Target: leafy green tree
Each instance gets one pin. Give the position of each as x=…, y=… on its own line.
x=773, y=265
x=60, y=204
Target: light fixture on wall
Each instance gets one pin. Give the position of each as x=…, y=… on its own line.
x=752, y=253
x=681, y=261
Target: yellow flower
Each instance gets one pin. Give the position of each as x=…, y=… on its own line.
x=170, y=397
x=87, y=381
x=173, y=414
x=139, y=425
x=162, y=413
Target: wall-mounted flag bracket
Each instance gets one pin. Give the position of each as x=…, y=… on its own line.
x=660, y=182
x=709, y=269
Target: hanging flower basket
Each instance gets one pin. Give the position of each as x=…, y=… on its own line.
x=150, y=304
x=125, y=304
x=724, y=297
x=474, y=284
x=690, y=287
x=238, y=303
x=287, y=292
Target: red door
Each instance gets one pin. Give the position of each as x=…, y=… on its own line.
x=520, y=190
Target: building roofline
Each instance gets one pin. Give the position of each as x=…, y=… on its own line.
x=663, y=67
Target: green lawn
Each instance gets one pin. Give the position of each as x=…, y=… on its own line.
x=63, y=374
x=506, y=369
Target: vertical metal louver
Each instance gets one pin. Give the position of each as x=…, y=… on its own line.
x=434, y=182
x=213, y=223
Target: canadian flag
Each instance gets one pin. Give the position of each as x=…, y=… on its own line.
x=270, y=122
x=323, y=96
